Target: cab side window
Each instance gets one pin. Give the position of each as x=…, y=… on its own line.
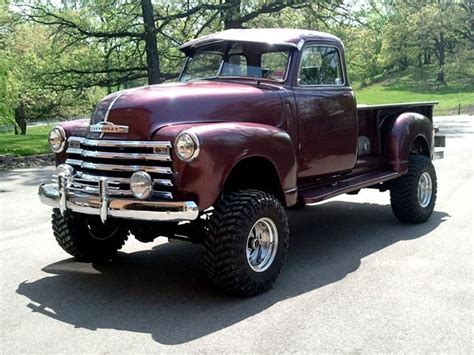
x=320, y=65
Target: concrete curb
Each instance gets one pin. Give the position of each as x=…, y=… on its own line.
x=10, y=157
x=8, y=161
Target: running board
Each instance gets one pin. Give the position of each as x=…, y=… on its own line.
x=317, y=194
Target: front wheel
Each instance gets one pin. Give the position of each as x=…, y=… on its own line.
x=413, y=195
x=86, y=237
x=246, y=242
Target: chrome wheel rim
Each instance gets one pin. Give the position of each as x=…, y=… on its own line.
x=262, y=244
x=425, y=189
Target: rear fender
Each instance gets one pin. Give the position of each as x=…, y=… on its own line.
x=222, y=146
x=400, y=133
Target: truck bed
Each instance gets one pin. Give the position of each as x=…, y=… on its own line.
x=396, y=105
x=371, y=118
x=382, y=110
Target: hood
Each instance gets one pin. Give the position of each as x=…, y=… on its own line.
x=147, y=109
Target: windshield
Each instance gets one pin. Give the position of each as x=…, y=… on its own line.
x=237, y=59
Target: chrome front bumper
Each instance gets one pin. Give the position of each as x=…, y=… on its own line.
x=58, y=196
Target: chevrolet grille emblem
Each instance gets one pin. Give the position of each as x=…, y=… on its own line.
x=108, y=127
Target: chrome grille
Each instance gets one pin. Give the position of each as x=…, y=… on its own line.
x=117, y=161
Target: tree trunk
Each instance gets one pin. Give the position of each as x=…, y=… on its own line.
x=441, y=77
x=426, y=57
x=419, y=63
x=20, y=119
x=151, y=46
x=231, y=14
x=441, y=49
x=403, y=63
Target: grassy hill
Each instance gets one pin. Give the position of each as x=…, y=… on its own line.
x=416, y=85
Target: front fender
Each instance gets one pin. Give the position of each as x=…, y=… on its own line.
x=222, y=146
x=399, y=133
x=71, y=128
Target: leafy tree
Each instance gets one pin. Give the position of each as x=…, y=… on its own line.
x=23, y=94
x=130, y=40
x=6, y=113
x=419, y=32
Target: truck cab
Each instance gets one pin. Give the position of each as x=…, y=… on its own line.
x=258, y=121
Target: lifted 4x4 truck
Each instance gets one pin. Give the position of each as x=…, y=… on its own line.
x=260, y=120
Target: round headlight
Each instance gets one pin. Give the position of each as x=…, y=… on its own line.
x=187, y=146
x=57, y=139
x=141, y=184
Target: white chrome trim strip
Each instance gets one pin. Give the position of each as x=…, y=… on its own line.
x=115, y=155
x=106, y=117
x=114, y=167
x=121, y=143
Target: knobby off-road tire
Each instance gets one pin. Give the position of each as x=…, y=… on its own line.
x=413, y=195
x=85, y=237
x=242, y=222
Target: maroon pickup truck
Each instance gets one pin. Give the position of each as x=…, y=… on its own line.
x=259, y=121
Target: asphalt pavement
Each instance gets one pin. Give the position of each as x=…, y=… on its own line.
x=355, y=280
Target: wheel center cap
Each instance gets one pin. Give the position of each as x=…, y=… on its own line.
x=255, y=243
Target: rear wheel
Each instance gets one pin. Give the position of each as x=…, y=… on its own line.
x=413, y=195
x=246, y=242
x=86, y=237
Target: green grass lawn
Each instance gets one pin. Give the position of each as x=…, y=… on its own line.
x=34, y=142
x=415, y=84
x=448, y=100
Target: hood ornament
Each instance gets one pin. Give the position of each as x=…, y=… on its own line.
x=107, y=127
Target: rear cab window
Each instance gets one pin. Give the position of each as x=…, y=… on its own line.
x=274, y=65
x=236, y=65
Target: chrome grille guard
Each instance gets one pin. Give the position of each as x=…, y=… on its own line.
x=117, y=160
x=100, y=184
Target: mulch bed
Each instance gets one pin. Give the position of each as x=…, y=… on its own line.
x=8, y=162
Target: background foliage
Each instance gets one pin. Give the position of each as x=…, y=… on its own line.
x=58, y=58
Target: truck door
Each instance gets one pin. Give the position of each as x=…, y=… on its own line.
x=327, y=113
